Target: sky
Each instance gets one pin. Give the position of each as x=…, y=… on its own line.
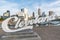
x=32, y=5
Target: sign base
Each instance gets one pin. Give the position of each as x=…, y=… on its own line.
x=21, y=35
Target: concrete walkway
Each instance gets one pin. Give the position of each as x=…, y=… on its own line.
x=48, y=33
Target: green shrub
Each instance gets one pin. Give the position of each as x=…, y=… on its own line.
x=1, y=19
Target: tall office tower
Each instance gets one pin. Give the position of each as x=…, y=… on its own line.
x=22, y=10
x=51, y=13
x=33, y=14
x=43, y=14
x=39, y=12
x=25, y=13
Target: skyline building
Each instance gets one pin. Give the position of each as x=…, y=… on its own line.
x=25, y=13
x=6, y=14
x=33, y=15
x=43, y=14
x=51, y=13
x=39, y=11
x=22, y=10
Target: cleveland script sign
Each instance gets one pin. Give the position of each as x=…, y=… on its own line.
x=6, y=28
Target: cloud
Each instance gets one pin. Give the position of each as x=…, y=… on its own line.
x=15, y=6
x=54, y=6
x=6, y=5
x=57, y=3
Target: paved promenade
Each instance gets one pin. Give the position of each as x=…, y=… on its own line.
x=48, y=33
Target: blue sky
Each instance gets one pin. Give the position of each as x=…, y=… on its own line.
x=15, y=5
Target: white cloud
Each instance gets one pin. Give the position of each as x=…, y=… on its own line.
x=54, y=6
x=57, y=3
x=13, y=7
x=5, y=5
